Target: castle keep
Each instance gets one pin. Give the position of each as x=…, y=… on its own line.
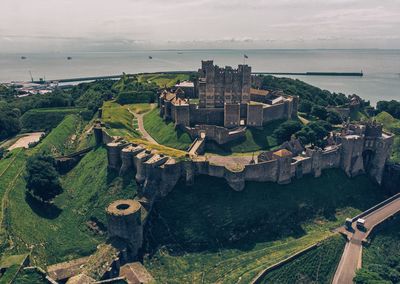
x=225, y=100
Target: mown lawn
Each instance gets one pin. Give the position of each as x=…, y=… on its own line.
x=255, y=140
x=213, y=234
x=163, y=80
x=315, y=266
x=118, y=120
x=46, y=118
x=140, y=108
x=165, y=132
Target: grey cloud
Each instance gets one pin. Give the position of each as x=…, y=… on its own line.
x=134, y=24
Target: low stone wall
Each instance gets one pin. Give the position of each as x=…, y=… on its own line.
x=218, y=134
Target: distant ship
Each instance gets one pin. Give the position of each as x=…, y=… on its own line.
x=180, y=52
x=69, y=58
x=23, y=57
x=150, y=57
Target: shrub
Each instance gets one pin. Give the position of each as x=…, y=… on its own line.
x=305, y=106
x=334, y=117
x=42, y=179
x=286, y=130
x=131, y=97
x=319, y=112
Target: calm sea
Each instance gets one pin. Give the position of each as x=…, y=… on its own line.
x=381, y=68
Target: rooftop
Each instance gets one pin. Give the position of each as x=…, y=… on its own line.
x=283, y=153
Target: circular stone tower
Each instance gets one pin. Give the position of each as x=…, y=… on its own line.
x=124, y=221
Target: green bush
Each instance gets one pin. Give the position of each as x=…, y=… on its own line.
x=42, y=179
x=132, y=97
x=286, y=130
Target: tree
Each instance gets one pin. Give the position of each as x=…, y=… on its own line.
x=334, y=117
x=306, y=135
x=286, y=130
x=9, y=122
x=305, y=106
x=42, y=178
x=319, y=112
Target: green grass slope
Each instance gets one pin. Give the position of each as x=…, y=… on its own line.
x=118, y=120
x=213, y=234
x=45, y=118
x=58, y=232
x=255, y=140
x=66, y=137
x=316, y=266
x=165, y=133
x=163, y=80
x=381, y=259
x=393, y=125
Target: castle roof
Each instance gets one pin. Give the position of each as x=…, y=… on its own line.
x=283, y=153
x=258, y=92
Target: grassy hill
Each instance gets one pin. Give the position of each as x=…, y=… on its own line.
x=164, y=132
x=163, y=80
x=67, y=137
x=119, y=121
x=213, y=234
x=316, y=266
x=393, y=125
x=255, y=140
x=45, y=118
x=58, y=232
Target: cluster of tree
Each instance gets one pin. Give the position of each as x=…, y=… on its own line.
x=379, y=273
x=130, y=90
x=312, y=133
x=9, y=121
x=7, y=93
x=92, y=95
x=392, y=107
x=306, y=92
x=42, y=178
x=323, y=114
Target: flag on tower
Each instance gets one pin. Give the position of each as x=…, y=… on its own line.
x=245, y=56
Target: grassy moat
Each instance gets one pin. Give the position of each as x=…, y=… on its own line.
x=211, y=233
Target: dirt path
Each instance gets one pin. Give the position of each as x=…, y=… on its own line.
x=142, y=130
x=24, y=142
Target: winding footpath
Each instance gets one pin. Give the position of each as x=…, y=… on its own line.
x=352, y=255
x=141, y=128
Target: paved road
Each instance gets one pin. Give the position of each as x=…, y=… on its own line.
x=352, y=254
x=142, y=130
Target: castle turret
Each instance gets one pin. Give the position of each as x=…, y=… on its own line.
x=284, y=158
x=124, y=220
x=114, y=155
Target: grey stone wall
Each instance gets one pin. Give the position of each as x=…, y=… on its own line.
x=255, y=115
x=232, y=115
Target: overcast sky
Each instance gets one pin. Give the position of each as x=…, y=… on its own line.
x=112, y=25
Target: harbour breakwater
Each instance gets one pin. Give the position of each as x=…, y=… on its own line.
x=94, y=78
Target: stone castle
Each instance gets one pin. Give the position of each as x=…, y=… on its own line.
x=356, y=149
x=226, y=104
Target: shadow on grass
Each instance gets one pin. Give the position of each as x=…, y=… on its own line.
x=210, y=217
x=42, y=209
